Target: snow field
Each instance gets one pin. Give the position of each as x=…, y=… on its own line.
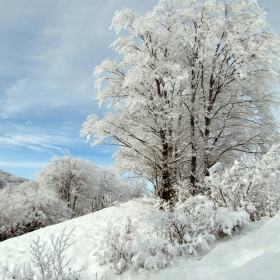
x=254, y=253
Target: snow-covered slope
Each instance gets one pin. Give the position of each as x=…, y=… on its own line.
x=253, y=254
x=7, y=178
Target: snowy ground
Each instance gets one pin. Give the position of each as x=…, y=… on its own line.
x=252, y=254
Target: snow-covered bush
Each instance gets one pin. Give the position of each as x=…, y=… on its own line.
x=117, y=245
x=27, y=207
x=183, y=229
x=124, y=248
x=253, y=186
x=196, y=222
x=49, y=264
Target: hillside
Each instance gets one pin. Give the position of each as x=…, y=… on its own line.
x=7, y=178
x=254, y=253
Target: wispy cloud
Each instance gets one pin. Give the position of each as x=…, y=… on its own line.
x=15, y=99
x=35, y=142
x=49, y=50
x=23, y=164
x=56, y=47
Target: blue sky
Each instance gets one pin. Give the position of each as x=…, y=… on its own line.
x=48, y=52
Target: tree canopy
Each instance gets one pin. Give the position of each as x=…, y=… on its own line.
x=193, y=86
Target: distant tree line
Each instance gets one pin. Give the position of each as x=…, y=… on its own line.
x=67, y=187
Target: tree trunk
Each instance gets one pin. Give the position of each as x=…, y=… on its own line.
x=166, y=191
x=193, y=157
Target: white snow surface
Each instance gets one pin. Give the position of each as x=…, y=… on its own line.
x=254, y=253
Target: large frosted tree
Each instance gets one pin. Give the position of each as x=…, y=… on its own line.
x=193, y=86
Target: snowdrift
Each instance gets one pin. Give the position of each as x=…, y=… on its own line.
x=254, y=253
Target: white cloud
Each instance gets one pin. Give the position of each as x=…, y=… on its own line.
x=56, y=47
x=49, y=50
x=23, y=164
x=13, y=100
x=55, y=66
x=35, y=142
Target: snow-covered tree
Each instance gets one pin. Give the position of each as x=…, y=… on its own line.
x=194, y=86
x=7, y=179
x=27, y=207
x=84, y=186
x=73, y=180
x=111, y=188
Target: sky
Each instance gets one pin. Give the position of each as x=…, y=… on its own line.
x=48, y=52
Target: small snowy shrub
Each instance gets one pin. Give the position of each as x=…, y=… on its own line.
x=123, y=248
x=50, y=264
x=253, y=187
x=184, y=229
x=153, y=254
x=23, y=273
x=118, y=245
x=193, y=224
